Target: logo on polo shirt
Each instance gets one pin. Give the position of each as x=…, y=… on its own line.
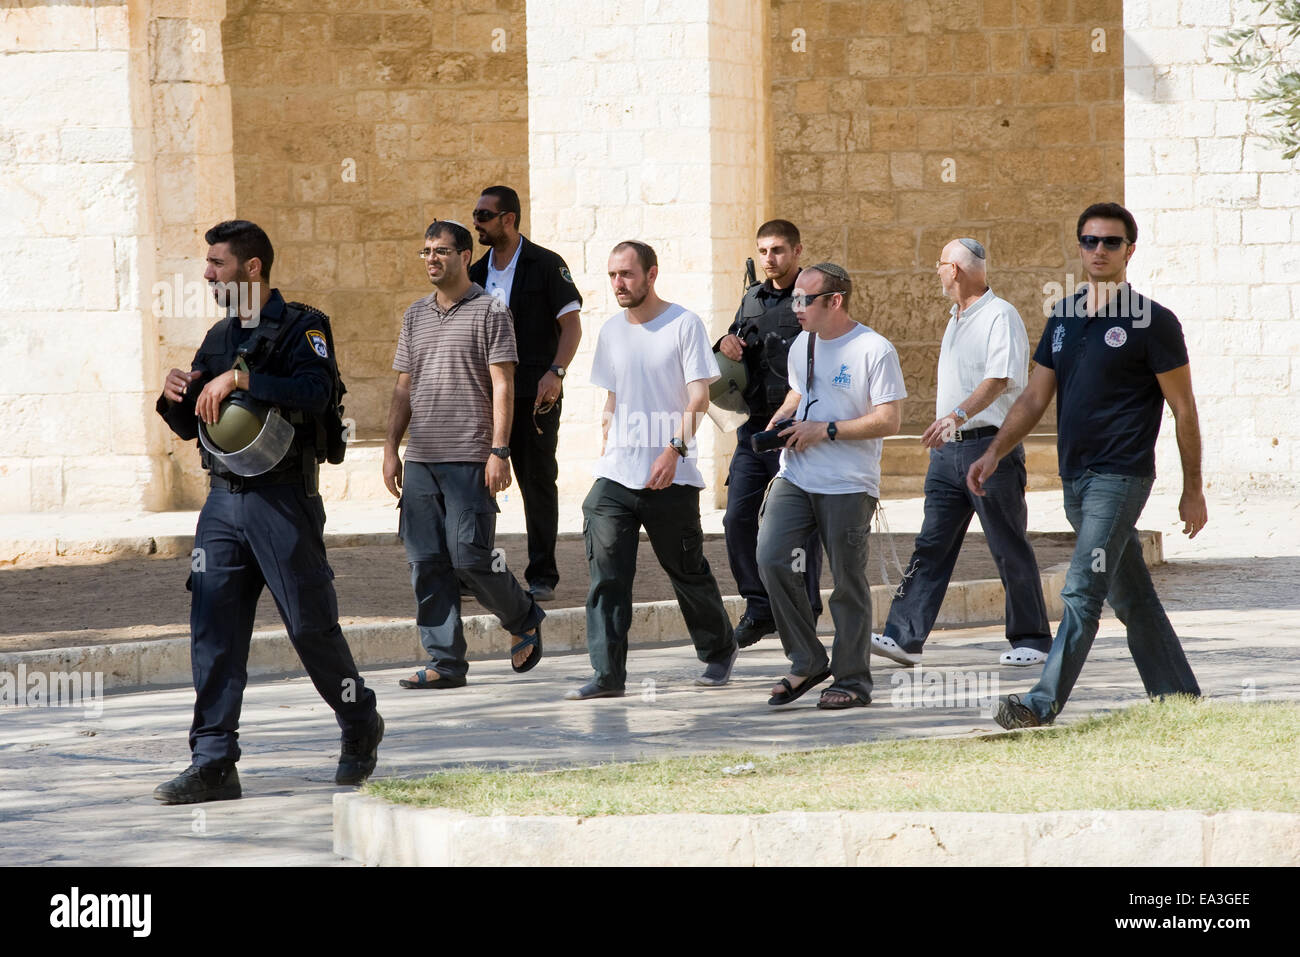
x=1116, y=337
x=844, y=379
x=1058, y=338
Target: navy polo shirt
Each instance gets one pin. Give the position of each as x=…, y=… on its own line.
x=1108, y=401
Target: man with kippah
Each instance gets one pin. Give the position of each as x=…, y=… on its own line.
x=983, y=367
x=846, y=392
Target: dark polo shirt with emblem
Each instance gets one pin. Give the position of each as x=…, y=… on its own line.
x=1108, y=401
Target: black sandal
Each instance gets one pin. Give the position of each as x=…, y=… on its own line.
x=792, y=693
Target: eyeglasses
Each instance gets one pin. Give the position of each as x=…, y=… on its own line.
x=442, y=252
x=944, y=262
x=486, y=215
x=800, y=300
x=1110, y=242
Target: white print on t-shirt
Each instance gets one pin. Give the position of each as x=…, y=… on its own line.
x=1058, y=338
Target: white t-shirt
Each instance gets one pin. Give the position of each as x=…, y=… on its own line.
x=852, y=374
x=647, y=367
x=988, y=341
x=501, y=281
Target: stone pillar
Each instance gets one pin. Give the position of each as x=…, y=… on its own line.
x=112, y=158
x=1218, y=215
x=194, y=183
x=73, y=339
x=646, y=121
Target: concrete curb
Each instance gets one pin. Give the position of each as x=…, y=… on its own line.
x=145, y=664
x=377, y=832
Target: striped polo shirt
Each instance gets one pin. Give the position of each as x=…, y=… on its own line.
x=447, y=354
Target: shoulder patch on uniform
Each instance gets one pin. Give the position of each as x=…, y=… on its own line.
x=317, y=340
x=566, y=275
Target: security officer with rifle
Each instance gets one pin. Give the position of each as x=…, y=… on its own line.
x=262, y=398
x=760, y=338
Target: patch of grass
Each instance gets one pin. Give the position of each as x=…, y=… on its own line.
x=1176, y=754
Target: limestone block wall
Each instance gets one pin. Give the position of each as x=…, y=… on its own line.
x=76, y=337
x=900, y=124
x=192, y=168
x=354, y=127
x=646, y=121
x=1220, y=243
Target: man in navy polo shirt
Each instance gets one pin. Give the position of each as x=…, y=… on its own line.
x=1112, y=358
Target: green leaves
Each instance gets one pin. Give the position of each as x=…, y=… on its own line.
x=1267, y=49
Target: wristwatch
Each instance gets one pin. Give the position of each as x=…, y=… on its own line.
x=559, y=371
x=961, y=414
x=678, y=446
x=831, y=431
x=502, y=453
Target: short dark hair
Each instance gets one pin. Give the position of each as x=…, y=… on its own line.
x=246, y=240
x=1109, y=211
x=458, y=233
x=837, y=279
x=507, y=201
x=781, y=228
x=644, y=254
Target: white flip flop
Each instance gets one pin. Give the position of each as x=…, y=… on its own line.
x=1022, y=657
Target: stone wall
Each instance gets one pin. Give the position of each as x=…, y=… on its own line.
x=354, y=127
x=76, y=339
x=646, y=122
x=1219, y=219
x=900, y=124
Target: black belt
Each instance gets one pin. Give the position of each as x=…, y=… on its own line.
x=241, y=483
x=969, y=435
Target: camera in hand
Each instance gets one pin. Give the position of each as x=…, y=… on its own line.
x=771, y=439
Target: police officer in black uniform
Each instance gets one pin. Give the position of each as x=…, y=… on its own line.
x=761, y=335
x=263, y=529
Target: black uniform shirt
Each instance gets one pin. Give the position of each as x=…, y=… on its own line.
x=298, y=374
x=542, y=287
x=1108, y=401
x=766, y=323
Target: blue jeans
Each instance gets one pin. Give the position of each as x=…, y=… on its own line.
x=448, y=525
x=949, y=507
x=1108, y=563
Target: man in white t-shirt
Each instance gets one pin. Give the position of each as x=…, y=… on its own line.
x=846, y=392
x=655, y=361
x=983, y=368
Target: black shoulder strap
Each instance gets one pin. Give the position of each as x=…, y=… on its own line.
x=808, y=385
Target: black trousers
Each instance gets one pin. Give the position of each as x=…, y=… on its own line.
x=747, y=481
x=269, y=536
x=533, y=458
x=613, y=516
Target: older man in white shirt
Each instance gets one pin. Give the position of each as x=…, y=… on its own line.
x=983, y=367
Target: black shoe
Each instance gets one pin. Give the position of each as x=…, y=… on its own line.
x=1012, y=714
x=359, y=755
x=592, y=690
x=197, y=784
x=749, y=631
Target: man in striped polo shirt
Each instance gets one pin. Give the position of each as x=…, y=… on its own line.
x=455, y=390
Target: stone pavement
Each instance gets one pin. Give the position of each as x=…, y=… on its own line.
x=75, y=788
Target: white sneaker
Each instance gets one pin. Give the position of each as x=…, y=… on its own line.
x=887, y=647
x=1022, y=657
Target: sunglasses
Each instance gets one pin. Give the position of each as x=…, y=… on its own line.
x=486, y=215
x=800, y=300
x=542, y=409
x=1110, y=242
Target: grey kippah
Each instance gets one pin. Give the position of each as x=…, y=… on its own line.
x=831, y=269
x=974, y=245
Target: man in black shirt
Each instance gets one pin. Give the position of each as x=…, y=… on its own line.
x=1112, y=358
x=535, y=283
x=260, y=530
x=761, y=335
